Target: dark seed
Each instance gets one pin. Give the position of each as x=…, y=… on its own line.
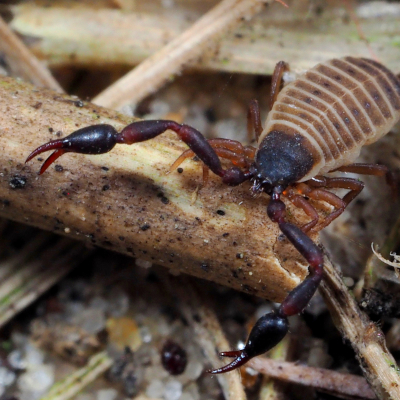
x=173, y=358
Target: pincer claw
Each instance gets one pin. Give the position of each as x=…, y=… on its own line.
x=95, y=139
x=268, y=331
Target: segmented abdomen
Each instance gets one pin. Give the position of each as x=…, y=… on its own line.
x=339, y=106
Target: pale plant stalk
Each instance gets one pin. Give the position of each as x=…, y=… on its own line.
x=148, y=76
x=22, y=62
x=366, y=338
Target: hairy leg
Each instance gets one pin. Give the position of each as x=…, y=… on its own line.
x=371, y=169
x=276, y=82
x=254, y=120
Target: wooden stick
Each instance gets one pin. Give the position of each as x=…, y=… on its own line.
x=167, y=62
x=335, y=383
x=208, y=333
x=22, y=62
x=125, y=200
x=366, y=338
x=72, y=384
x=298, y=35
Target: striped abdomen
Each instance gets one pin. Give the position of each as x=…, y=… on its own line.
x=338, y=106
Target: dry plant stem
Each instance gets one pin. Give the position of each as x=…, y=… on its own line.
x=207, y=330
x=344, y=386
x=125, y=200
x=299, y=35
x=271, y=388
x=148, y=76
x=366, y=338
x=74, y=383
x=375, y=269
x=38, y=265
x=22, y=62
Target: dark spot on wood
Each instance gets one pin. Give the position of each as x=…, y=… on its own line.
x=59, y=168
x=316, y=92
x=180, y=170
x=226, y=234
x=221, y=212
x=37, y=105
x=308, y=100
x=355, y=112
x=205, y=267
x=18, y=182
x=105, y=169
x=105, y=187
x=145, y=227
x=247, y=288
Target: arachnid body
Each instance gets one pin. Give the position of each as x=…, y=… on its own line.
x=317, y=124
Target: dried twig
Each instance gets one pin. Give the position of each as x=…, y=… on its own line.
x=301, y=35
x=345, y=386
x=396, y=259
x=70, y=386
x=271, y=388
x=157, y=69
x=365, y=337
x=38, y=265
x=22, y=62
x=208, y=332
x=124, y=200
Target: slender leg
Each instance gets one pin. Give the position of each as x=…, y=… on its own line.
x=372, y=169
x=254, y=120
x=240, y=156
x=97, y=139
x=355, y=186
x=238, y=160
x=330, y=198
x=364, y=169
x=300, y=202
x=315, y=189
x=280, y=68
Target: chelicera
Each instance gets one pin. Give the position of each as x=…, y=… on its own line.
x=317, y=124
